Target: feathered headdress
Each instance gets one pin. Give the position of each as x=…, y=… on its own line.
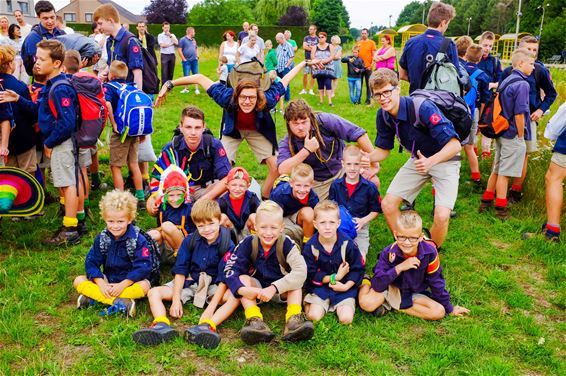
x=172, y=176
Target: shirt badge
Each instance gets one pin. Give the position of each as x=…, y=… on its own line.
x=65, y=102
x=391, y=257
x=221, y=152
x=145, y=252
x=435, y=119
x=135, y=49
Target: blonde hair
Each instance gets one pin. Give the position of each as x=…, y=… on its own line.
x=205, y=210
x=382, y=77
x=269, y=207
x=439, y=12
x=302, y=170
x=106, y=12
x=352, y=150
x=72, y=61
x=474, y=53
x=487, y=35
x=462, y=44
x=118, y=70
x=325, y=206
x=335, y=39
x=7, y=55
x=520, y=55
x=409, y=219
x=117, y=200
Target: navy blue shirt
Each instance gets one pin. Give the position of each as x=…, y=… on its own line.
x=327, y=263
x=207, y=258
x=421, y=49
x=249, y=206
x=132, y=55
x=29, y=47
x=64, y=102
x=492, y=67
x=111, y=93
x=440, y=129
x=483, y=94
x=283, y=195
x=117, y=265
x=364, y=200
x=560, y=145
x=515, y=101
x=180, y=217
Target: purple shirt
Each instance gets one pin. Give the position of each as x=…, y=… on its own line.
x=334, y=131
x=310, y=41
x=514, y=100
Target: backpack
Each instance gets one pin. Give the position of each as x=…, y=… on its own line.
x=149, y=71
x=347, y=224
x=225, y=238
x=492, y=123
x=441, y=74
x=278, y=250
x=134, y=115
x=131, y=245
x=472, y=94
x=87, y=47
x=252, y=70
x=92, y=113
x=343, y=248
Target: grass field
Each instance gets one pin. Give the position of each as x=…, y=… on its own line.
x=516, y=291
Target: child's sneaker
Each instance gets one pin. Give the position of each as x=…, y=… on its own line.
x=298, y=328
x=65, y=236
x=515, y=196
x=84, y=302
x=156, y=334
x=203, y=335
x=197, y=91
x=302, y=92
x=121, y=305
x=185, y=91
x=502, y=213
x=311, y=92
x=256, y=331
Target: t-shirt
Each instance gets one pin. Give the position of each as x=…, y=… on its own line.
x=189, y=47
x=242, y=34
x=246, y=121
x=351, y=188
x=25, y=30
x=367, y=49
x=258, y=42
x=292, y=43
x=237, y=204
x=305, y=200
x=310, y=41
x=247, y=53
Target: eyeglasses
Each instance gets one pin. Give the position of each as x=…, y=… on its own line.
x=384, y=94
x=411, y=239
x=245, y=98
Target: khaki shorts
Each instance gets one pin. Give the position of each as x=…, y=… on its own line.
x=63, y=165
x=321, y=188
x=27, y=160
x=125, y=153
x=261, y=147
x=85, y=157
x=509, y=157
x=445, y=176
x=532, y=144
x=197, y=191
x=42, y=160
x=362, y=240
x=473, y=137
x=145, y=151
x=189, y=292
x=276, y=298
x=325, y=304
x=393, y=297
x=559, y=159
x=293, y=230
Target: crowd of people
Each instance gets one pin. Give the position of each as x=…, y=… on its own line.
x=303, y=238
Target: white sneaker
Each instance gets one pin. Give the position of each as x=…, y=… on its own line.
x=311, y=92
x=185, y=91
x=197, y=92
x=303, y=92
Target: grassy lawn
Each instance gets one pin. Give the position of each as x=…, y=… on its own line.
x=516, y=291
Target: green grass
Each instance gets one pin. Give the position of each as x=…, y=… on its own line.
x=516, y=291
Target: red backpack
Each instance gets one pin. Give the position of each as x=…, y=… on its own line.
x=91, y=117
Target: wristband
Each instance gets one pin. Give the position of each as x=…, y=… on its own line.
x=169, y=85
x=307, y=149
x=333, y=279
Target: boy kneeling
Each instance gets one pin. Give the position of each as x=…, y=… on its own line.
x=334, y=267
x=267, y=267
x=404, y=274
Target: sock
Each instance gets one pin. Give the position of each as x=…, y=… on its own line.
x=70, y=222
x=253, y=311
x=209, y=323
x=366, y=281
x=134, y=291
x=145, y=176
x=162, y=319
x=91, y=289
x=62, y=200
x=81, y=216
x=500, y=202
x=488, y=196
x=516, y=187
x=476, y=176
x=292, y=310
x=139, y=194
x=433, y=192
x=553, y=229
x=87, y=203
x=306, y=239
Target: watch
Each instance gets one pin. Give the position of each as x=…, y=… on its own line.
x=169, y=85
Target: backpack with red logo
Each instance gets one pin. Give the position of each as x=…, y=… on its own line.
x=492, y=123
x=92, y=113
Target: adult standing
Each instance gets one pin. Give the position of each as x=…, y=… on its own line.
x=335, y=40
x=386, y=55
x=367, y=50
x=167, y=43
x=285, y=57
x=4, y=26
x=324, y=74
x=247, y=51
x=270, y=57
x=292, y=42
x=259, y=40
x=147, y=40
x=309, y=42
x=14, y=33
x=25, y=28
x=61, y=24
x=244, y=33
x=228, y=48
x=189, y=55
x=99, y=38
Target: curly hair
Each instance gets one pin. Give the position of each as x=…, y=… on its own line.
x=117, y=200
x=298, y=109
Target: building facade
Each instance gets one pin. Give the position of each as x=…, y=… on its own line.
x=7, y=8
x=82, y=10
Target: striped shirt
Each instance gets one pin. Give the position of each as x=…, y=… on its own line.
x=284, y=54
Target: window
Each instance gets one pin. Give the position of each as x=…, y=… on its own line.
x=9, y=6
x=69, y=17
x=24, y=7
x=88, y=17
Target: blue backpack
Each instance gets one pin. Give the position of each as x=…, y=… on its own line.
x=134, y=115
x=472, y=95
x=347, y=224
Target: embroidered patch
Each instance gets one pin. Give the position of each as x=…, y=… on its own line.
x=227, y=256
x=391, y=257
x=221, y=152
x=135, y=49
x=145, y=252
x=65, y=102
x=435, y=119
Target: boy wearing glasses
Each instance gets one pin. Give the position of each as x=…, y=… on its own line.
x=434, y=152
x=408, y=276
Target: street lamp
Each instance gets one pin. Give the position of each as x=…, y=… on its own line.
x=424, y=7
x=517, y=27
x=469, y=21
x=542, y=18
x=392, y=16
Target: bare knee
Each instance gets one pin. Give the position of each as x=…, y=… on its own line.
x=316, y=313
x=437, y=313
x=389, y=205
x=153, y=293
x=441, y=216
x=306, y=214
x=168, y=228
x=80, y=279
x=145, y=285
x=346, y=316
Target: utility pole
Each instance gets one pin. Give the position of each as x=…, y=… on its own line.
x=543, y=6
x=424, y=7
x=469, y=21
x=519, y=15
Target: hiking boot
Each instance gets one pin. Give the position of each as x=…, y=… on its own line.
x=202, y=335
x=65, y=236
x=502, y=213
x=156, y=334
x=121, y=305
x=82, y=228
x=256, y=331
x=380, y=311
x=485, y=205
x=84, y=302
x=298, y=328
x=551, y=235
x=141, y=205
x=515, y=196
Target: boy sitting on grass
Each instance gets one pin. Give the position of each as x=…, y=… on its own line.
x=297, y=199
x=334, y=267
x=198, y=271
x=267, y=267
x=238, y=205
x=408, y=276
x=122, y=278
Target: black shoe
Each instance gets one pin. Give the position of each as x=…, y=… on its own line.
x=154, y=335
x=256, y=331
x=515, y=196
x=65, y=236
x=82, y=228
x=203, y=335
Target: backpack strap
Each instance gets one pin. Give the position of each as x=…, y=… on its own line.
x=224, y=241
x=131, y=244
x=441, y=54
x=104, y=242
x=280, y=255
x=255, y=249
x=315, y=252
x=476, y=73
x=207, y=138
x=509, y=83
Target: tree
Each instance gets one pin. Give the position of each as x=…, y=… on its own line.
x=268, y=12
x=331, y=16
x=172, y=11
x=295, y=16
x=221, y=12
x=412, y=13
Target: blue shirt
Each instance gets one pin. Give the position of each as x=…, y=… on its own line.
x=131, y=54
x=284, y=54
x=207, y=258
x=189, y=47
x=483, y=94
x=117, y=265
x=283, y=195
x=364, y=200
x=180, y=217
x=439, y=129
x=492, y=67
x=421, y=49
x=111, y=93
x=515, y=101
x=327, y=263
x=29, y=47
x=60, y=127
x=249, y=206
